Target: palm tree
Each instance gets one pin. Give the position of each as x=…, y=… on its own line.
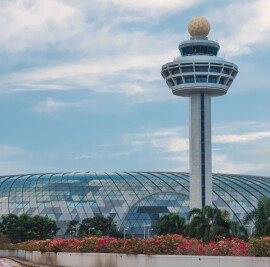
x=207, y=222
x=261, y=217
x=171, y=224
x=238, y=230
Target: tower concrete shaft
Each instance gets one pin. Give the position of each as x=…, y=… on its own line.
x=199, y=74
x=200, y=150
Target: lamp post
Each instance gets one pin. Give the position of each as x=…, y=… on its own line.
x=146, y=225
x=125, y=229
x=149, y=231
x=72, y=231
x=89, y=229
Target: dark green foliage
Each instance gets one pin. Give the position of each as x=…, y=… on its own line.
x=207, y=222
x=238, y=230
x=171, y=224
x=24, y=227
x=103, y=226
x=261, y=217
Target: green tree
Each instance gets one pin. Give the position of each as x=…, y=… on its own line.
x=171, y=224
x=102, y=225
x=207, y=222
x=261, y=217
x=24, y=227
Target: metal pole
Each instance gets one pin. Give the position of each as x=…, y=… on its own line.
x=149, y=230
x=125, y=229
x=146, y=225
x=144, y=232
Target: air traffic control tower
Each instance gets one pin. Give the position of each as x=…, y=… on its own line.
x=199, y=74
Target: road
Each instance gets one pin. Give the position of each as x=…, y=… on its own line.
x=8, y=263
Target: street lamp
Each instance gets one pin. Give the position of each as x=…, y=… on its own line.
x=89, y=230
x=125, y=229
x=146, y=225
x=150, y=230
x=72, y=231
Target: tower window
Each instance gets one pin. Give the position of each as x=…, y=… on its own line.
x=201, y=79
x=212, y=79
x=212, y=50
x=187, y=69
x=189, y=79
x=197, y=49
x=170, y=82
x=175, y=71
x=234, y=73
x=214, y=69
x=222, y=80
x=201, y=69
x=166, y=73
x=179, y=80
x=226, y=71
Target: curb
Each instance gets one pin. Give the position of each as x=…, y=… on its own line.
x=25, y=263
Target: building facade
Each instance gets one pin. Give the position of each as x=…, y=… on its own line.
x=133, y=199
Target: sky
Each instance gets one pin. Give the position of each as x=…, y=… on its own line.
x=81, y=89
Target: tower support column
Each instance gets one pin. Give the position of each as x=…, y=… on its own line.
x=200, y=159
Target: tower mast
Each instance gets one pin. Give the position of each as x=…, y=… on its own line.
x=199, y=74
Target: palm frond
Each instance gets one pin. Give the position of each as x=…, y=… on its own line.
x=250, y=216
x=194, y=212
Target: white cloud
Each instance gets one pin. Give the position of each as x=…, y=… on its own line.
x=7, y=151
x=174, y=140
x=33, y=23
x=50, y=105
x=166, y=140
x=222, y=164
x=156, y=7
x=240, y=138
x=172, y=145
x=241, y=26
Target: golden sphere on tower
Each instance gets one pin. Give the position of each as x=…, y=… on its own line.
x=199, y=26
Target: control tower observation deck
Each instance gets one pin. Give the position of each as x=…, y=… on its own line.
x=199, y=74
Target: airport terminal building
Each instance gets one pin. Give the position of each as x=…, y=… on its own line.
x=133, y=199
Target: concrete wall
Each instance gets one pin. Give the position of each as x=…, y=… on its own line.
x=122, y=260
x=195, y=153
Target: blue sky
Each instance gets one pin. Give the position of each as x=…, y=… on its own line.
x=81, y=90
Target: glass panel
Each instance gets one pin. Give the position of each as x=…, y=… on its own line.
x=175, y=71
x=204, y=49
x=187, y=69
x=189, y=79
x=226, y=71
x=201, y=68
x=201, y=79
x=215, y=69
x=212, y=79
x=221, y=81
x=179, y=80
x=197, y=50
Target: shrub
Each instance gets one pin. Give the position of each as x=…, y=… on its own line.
x=163, y=245
x=5, y=242
x=260, y=247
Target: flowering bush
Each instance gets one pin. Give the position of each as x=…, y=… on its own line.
x=52, y=245
x=260, y=247
x=166, y=245
x=223, y=247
